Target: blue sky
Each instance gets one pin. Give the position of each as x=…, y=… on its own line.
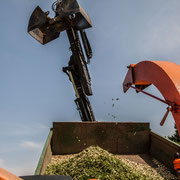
x=35, y=92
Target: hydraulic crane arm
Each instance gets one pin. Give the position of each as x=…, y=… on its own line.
x=69, y=16
x=79, y=76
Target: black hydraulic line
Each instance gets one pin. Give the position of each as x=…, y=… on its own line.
x=86, y=44
x=80, y=77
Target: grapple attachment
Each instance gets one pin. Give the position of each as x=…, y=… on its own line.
x=72, y=7
x=40, y=28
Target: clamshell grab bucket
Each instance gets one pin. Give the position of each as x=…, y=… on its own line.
x=70, y=7
x=39, y=27
x=68, y=13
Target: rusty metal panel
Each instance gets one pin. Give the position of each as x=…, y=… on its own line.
x=128, y=79
x=39, y=27
x=67, y=7
x=117, y=138
x=163, y=150
x=70, y=7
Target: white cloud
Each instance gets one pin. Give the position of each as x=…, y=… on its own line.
x=42, y=126
x=161, y=35
x=21, y=170
x=20, y=129
x=164, y=38
x=31, y=144
x=1, y=162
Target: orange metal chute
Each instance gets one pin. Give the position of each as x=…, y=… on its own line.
x=164, y=75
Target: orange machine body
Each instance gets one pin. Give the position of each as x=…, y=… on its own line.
x=176, y=164
x=164, y=75
x=5, y=175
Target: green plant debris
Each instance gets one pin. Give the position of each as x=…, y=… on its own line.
x=95, y=162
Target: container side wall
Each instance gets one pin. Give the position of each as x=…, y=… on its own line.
x=117, y=138
x=45, y=156
x=163, y=150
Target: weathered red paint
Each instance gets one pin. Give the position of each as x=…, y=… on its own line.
x=164, y=75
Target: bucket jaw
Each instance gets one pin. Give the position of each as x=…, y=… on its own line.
x=68, y=13
x=72, y=7
x=40, y=28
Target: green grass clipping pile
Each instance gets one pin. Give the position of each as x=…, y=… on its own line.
x=94, y=162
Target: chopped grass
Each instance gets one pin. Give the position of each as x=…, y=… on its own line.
x=94, y=162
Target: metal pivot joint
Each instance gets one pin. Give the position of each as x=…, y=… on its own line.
x=171, y=106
